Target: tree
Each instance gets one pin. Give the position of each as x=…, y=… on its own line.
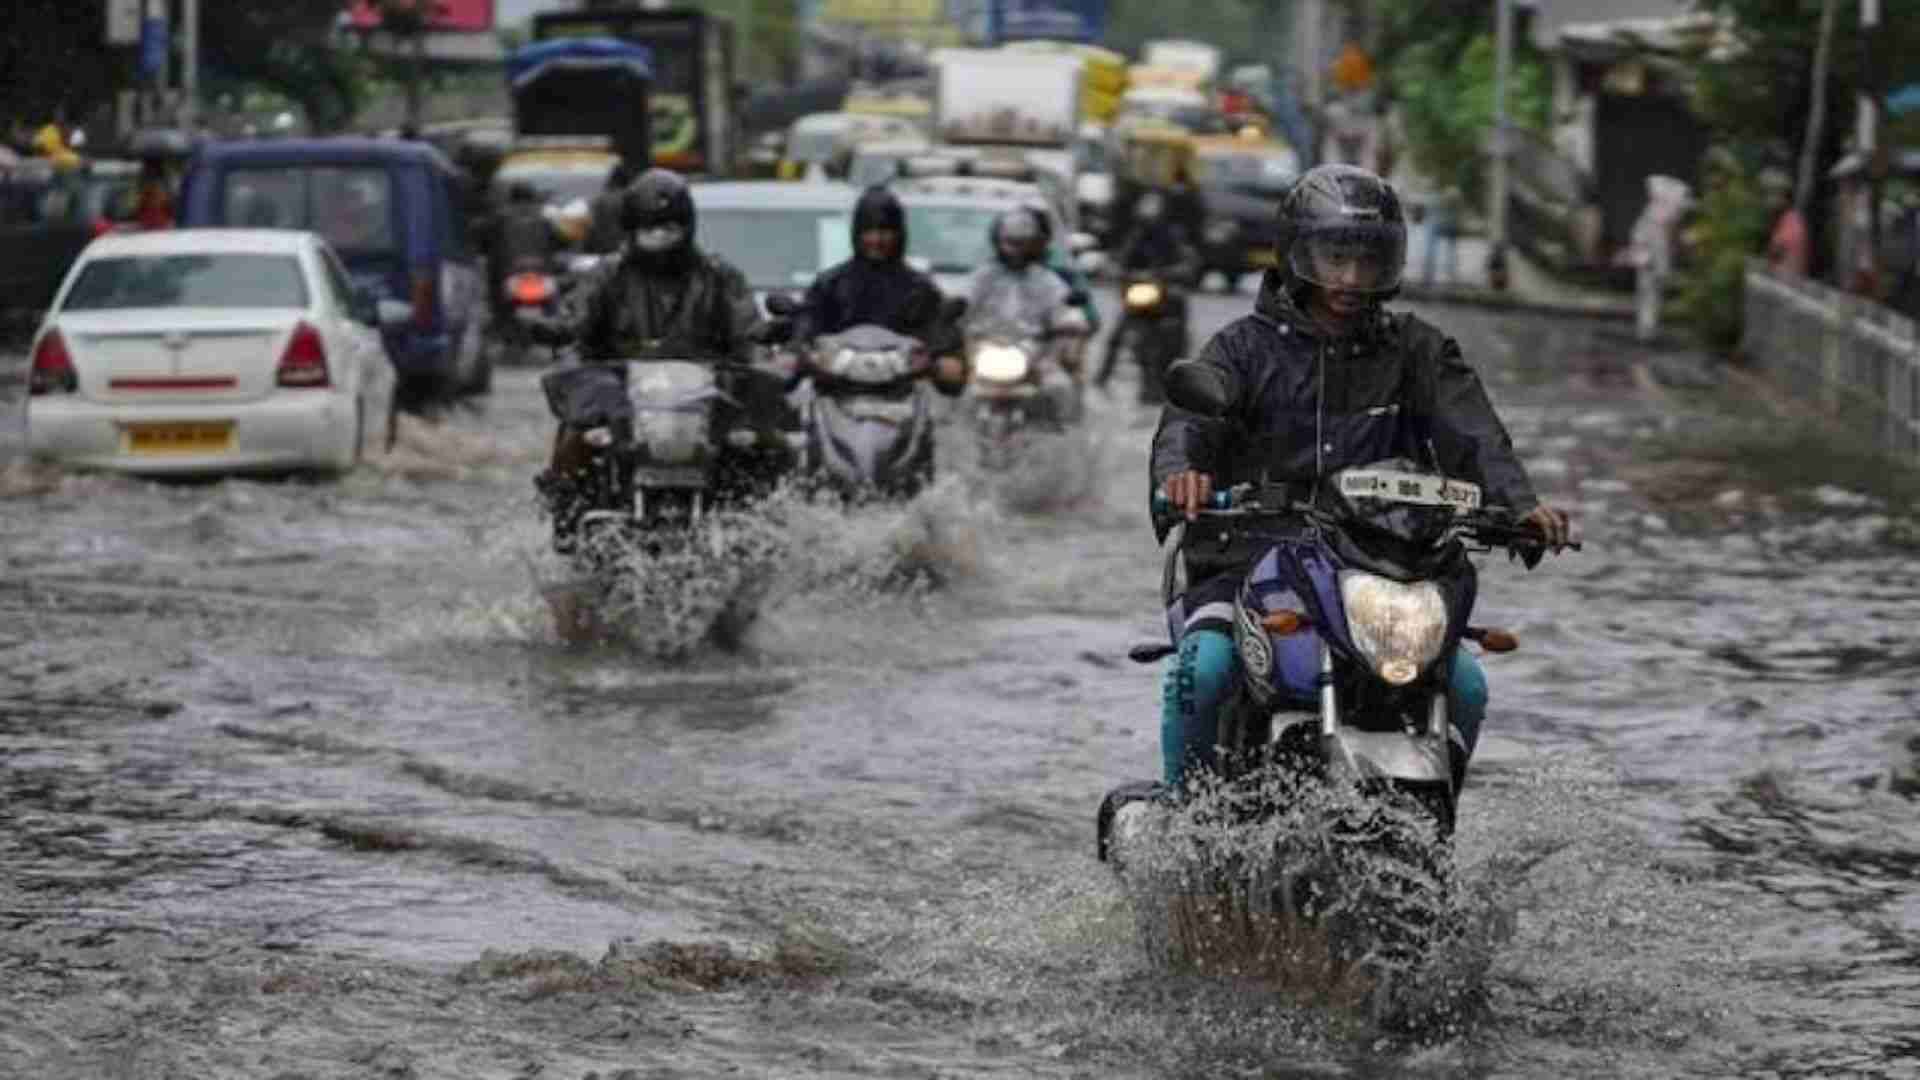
x=1446, y=100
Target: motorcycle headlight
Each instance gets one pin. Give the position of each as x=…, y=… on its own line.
x=1399, y=627
x=1143, y=294
x=1000, y=363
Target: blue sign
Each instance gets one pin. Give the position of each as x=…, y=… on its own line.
x=1053, y=20
x=153, y=48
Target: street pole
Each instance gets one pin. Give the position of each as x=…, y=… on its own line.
x=1497, y=188
x=1817, y=112
x=190, y=64
x=1870, y=133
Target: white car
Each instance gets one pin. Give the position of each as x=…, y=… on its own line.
x=205, y=350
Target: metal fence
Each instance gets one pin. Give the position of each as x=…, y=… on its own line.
x=1857, y=360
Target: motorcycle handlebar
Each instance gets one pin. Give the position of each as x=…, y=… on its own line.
x=1491, y=527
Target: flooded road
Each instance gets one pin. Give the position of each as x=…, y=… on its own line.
x=297, y=780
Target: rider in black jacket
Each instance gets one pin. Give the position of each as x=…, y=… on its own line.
x=662, y=297
x=877, y=286
x=1321, y=377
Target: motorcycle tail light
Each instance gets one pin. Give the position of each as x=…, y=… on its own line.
x=530, y=289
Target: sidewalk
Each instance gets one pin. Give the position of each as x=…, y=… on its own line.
x=1529, y=287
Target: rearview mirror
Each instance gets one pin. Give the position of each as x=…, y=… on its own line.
x=953, y=308
x=782, y=305
x=1197, y=388
x=364, y=306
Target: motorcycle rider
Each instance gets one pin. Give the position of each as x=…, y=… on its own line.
x=522, y=240
x=1321, y=377
x=1018, y=291
x=661, y=297
x=1157, y=247
x=877, y=286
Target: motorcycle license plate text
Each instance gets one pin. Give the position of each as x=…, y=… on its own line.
x=1419, y=489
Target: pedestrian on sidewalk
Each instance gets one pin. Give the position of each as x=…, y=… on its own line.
x=1443, y=229
x=1650, y=249
x=1787, y=241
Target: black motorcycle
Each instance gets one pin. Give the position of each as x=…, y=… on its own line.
x=1151, y=335
x=665, y=440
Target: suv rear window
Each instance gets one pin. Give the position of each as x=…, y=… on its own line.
x=162, y=281
x=352, y=206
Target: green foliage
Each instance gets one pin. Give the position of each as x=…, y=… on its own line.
x=1732, y=225
x=1445, y=89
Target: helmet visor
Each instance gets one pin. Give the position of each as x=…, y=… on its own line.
x=1351, y=258
x=658, y=238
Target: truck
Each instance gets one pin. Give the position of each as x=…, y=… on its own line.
x=693, y=95
x=1198, y=57
x=1014, y=103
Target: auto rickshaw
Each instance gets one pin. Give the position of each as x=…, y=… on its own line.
x=1240, y=180
x=1149, y=158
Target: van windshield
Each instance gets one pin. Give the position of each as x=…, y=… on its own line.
x=352, y=206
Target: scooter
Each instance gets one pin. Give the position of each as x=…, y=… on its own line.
x=869, y=414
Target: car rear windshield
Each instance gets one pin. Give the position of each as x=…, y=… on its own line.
x=778, y=249
x=351, y=206
x=213, y=281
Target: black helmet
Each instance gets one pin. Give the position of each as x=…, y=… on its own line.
x=1341, y=227
x=657, y=214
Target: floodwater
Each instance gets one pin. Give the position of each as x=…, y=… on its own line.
x=297, y=780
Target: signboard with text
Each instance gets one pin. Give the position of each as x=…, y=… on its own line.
x=445, y=15
x=1052, y=20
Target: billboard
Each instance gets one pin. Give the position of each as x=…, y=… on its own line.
x=1054, y=20
x=449, y=15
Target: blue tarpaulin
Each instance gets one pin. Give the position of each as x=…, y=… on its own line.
x=529, y=62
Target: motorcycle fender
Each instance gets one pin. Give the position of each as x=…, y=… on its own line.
x=1387, y=755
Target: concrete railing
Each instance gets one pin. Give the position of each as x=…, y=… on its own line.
x=1856, y=360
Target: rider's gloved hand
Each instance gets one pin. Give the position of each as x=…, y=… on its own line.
x=1188, y=491
x=1553, y=524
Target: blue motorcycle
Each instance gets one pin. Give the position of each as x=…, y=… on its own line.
x=1347, y=627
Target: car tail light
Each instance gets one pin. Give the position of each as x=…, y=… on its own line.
x=423, y=300
x=52, y=370
x=101, y=227
x=305, y=361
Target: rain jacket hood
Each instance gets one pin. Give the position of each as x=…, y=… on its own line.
x=879, y=208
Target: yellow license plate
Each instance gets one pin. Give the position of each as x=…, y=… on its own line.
x=1260, y=256
x=200, y=437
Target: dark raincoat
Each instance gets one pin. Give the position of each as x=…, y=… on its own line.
x=883, y=291
x=1303, y=406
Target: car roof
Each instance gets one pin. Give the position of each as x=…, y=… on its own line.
x=345, y=149
x=203, y=242
x=775, y=194
x=968, y=189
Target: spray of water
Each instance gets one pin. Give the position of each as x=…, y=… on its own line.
x=1318, y=893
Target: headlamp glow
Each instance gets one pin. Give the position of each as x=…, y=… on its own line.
x=1000, y=363
x=1399, y=627
x=1143, y=294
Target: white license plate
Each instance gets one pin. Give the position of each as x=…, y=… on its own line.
x=669, y=476
x=1420, y=489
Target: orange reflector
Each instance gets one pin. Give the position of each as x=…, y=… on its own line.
x=1285, y=622
x=530, y=288
x=1494, y=639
